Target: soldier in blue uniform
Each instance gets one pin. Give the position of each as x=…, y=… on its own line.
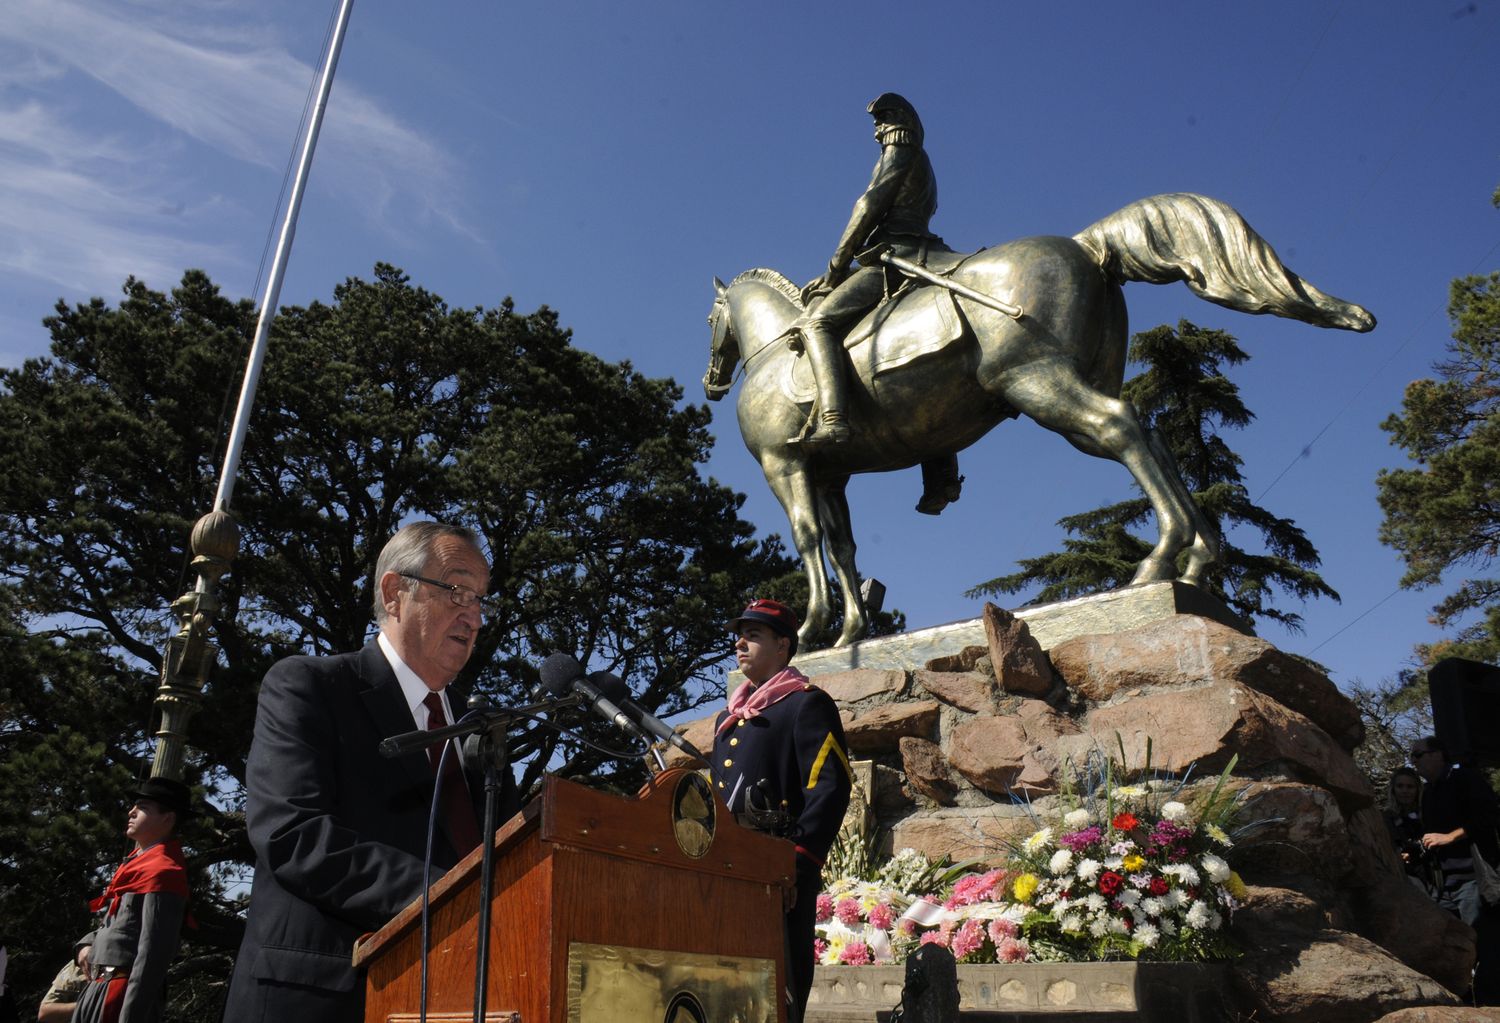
x=780, y=762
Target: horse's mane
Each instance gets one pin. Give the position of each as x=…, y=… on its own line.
x=766, y=275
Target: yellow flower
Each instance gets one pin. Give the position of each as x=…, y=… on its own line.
x=1217, y=834
x=1024, y=887
x=1133, y=862
x=1236, y=887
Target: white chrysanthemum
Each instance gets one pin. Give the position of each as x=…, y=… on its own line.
x=1216, y=869
x=1126, y=793
x=1215, y=921
x=1168, y=926
x=1217, y=834
x=1061, y=861
x=1072, y=922
x=1174, y=899
x=1060, y=906
x=1114, y=862
x=1153, y=906
x=1096, y=903
x=1172, y=810
x=1088, y=869
x=1037, y=842
x=1099, y=927
x=1076, y=819
x=1117, y=925
x=1183, y=872
x=1197, y=915
x=1147, y=935
x=1128, y=897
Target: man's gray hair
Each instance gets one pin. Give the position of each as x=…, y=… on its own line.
x=407, y=552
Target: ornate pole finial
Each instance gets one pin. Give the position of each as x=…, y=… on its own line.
x=190, y=654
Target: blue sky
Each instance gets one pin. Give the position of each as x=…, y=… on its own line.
x=608, y=159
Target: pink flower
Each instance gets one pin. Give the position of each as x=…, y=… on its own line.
x=972, y=888
x=856, y=953
x=906, y=926
x=819, y=947
x=825, y=907
x=968, y=940
x=1001, y=929
x=935, y=938
x=882, y=916
x=1009, y=950
x=847, y=910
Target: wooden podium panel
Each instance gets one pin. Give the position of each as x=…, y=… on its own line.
x=611, y=880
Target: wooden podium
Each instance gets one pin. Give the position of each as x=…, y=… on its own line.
x=605, y=908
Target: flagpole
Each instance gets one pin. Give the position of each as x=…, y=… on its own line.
x=191, y=653
x=278, y=268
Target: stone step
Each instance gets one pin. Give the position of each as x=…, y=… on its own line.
x=1035, y=993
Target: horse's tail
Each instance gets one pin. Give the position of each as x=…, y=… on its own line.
x=1208, y=246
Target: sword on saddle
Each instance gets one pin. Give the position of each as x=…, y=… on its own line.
x=912, y=269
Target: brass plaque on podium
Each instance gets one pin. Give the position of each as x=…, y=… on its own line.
x=609, y=983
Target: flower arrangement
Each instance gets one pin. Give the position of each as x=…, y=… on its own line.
x=1123, y=872
x=863, y=920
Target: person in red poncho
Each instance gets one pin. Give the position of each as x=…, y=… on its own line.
x=127, y=956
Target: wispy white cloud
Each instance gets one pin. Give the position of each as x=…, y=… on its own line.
x=81, y=198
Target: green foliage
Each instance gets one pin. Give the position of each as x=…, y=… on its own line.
x=1395, y=712
x=1443, y=514
x=1184, y=395
x=380, y=407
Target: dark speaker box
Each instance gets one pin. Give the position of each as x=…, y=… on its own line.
x=1466, y=709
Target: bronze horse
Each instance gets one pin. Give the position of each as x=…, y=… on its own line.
x=1061, y=361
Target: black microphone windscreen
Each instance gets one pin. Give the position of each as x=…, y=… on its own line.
x=611, y=685
x=559, y=671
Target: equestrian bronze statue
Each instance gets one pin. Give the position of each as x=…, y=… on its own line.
x=1035, y=327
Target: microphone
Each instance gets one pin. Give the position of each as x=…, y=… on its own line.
x=615, y=688
x=562, y=673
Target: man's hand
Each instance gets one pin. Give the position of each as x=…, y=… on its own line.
x=82, y=960
x=1436, y=839
x=822, y=285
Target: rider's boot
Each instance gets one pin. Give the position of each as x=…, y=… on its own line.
x=941, y=485
x=826, y=351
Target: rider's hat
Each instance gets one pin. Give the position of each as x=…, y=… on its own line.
x=773, y=614
x=899, y=103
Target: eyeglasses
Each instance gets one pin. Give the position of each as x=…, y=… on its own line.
x=460, y=595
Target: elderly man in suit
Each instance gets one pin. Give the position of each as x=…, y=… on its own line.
x=339, y=831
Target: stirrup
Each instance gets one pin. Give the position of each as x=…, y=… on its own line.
x=832, y=430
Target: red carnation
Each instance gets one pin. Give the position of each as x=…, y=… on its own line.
x=1125, y=822
x=1110, y=883
x=1158, y=886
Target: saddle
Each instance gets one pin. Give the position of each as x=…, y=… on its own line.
x=912, y=323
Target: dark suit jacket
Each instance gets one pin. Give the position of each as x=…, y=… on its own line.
x=339, y=832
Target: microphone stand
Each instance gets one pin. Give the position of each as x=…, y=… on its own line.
x=491, y=754
x=489, y=725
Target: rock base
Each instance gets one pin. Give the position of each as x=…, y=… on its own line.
x=1050, y=625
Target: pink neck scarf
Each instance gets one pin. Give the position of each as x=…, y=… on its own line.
x=749, y=700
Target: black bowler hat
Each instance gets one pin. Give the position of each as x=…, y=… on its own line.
x=772, y=613
x=168, y=793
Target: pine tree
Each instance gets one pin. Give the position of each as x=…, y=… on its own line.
x=1184, y=394
x=1443, y=514
x=385, y=405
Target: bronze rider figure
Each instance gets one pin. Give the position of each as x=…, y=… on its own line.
x=891, y=216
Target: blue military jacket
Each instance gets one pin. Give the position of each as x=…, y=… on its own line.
x=796, y=745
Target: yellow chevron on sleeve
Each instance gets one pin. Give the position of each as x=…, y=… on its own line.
x=829, y=745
